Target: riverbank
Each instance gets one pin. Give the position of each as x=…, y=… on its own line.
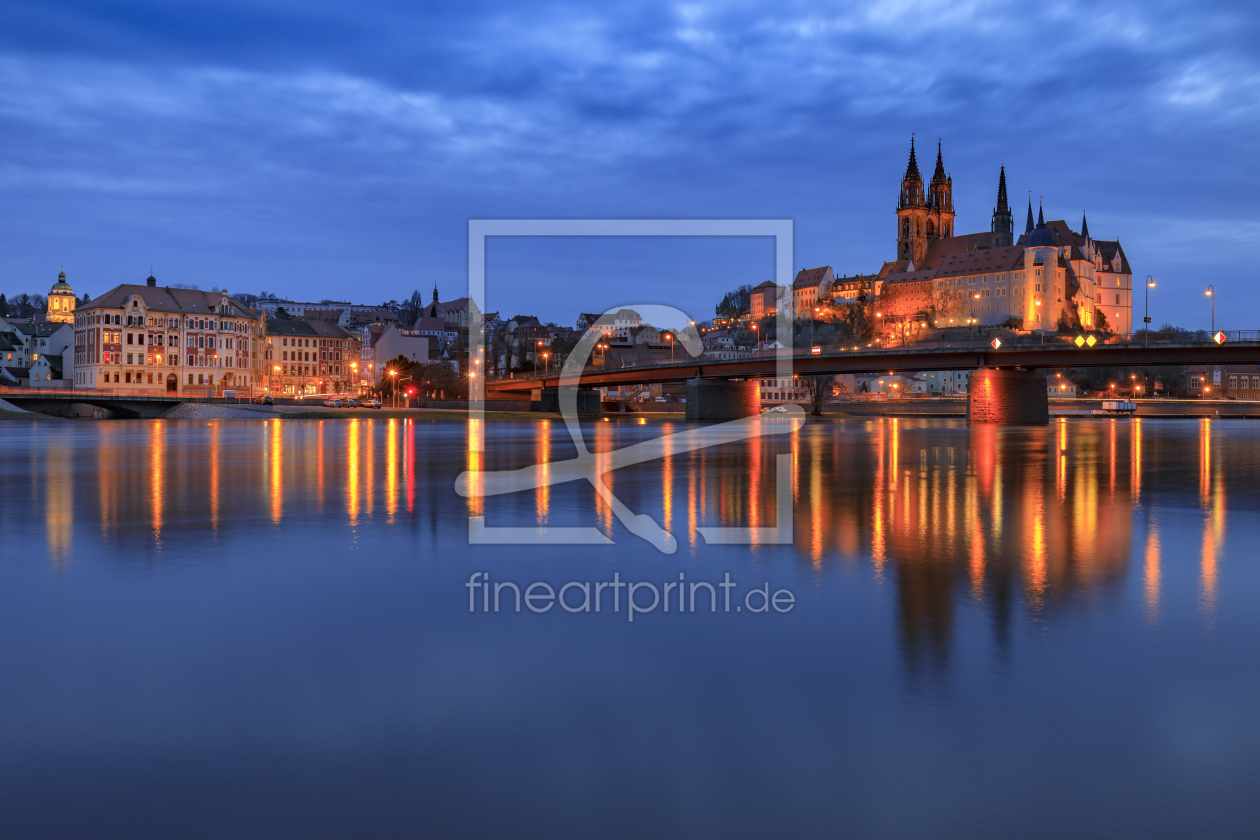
x=922, y=409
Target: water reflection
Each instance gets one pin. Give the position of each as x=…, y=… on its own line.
x=1009, y=522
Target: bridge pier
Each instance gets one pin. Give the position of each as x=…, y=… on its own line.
x=722, y=399
x=548, y=400
x=1008, y=397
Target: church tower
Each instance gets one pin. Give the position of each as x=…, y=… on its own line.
x=923, y=215
x=1003, y=227
x=61, y=301
x=911, y=213
x=940, y=201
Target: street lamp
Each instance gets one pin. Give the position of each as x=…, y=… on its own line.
x=393, y=391
x=1210, y=294
x=974, y=298
x=1146, y=318
x=670, y=338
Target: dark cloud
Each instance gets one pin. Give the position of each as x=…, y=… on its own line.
x=322, y=149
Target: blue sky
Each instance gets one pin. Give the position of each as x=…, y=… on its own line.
x=328, y=149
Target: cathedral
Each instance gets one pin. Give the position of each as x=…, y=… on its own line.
x=1050, y=276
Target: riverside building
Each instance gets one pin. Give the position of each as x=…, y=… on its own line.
x=1050, y=276
x=150, y=337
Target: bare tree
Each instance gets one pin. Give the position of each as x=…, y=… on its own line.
x=945, y=302
x=818, y=386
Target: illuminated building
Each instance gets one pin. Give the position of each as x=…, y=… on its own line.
x=150, y=337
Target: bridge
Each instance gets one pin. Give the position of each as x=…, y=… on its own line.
x=82, y=403
x=1006, y=389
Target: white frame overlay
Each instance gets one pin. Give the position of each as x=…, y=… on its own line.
x=472, y=484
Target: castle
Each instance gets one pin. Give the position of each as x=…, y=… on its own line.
x=1051, y=275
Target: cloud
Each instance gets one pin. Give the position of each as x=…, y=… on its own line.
x=383, y=128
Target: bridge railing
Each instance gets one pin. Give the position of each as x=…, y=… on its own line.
x=119, y=393
x=997, y=340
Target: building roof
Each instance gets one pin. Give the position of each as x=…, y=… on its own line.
x=1109, y=248
x=938, y=249
x=61, y=287
x=902, y=279
x=166, y=299
x=41, y=329
x=429, y=322
x=808, y=277
x=984, y=261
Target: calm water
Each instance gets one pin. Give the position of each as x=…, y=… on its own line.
x=255, y=630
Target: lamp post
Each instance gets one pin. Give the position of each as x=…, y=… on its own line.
x=670, y=338
x=1210, y=293
x=1146, y=317
x=393, y=390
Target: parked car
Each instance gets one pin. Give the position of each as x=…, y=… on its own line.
x=351, y=402
x=371, y=403
x=332, y=402
x=265, y=399
x=661, y=399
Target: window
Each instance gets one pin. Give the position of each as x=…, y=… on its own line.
x=1117, y=298
x=1233, y=383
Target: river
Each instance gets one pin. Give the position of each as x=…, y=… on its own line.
x=263, y=629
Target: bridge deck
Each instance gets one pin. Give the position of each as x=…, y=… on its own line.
x=912, y=358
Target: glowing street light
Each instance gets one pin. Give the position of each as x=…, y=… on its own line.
x=1210, y=293
x=1146, y=317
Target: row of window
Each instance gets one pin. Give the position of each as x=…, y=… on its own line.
x=311, y=342
x=92, y=318
x=309, y=370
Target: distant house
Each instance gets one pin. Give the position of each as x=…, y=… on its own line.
x=393, y=343
x=764, y=300
x=310, y=357
x=47, y=372
x=810, y=285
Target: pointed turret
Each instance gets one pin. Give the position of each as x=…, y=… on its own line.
x=1084, y=227
x=1029, y=228
x=912, y=168
x=938, y=177
x=912, y=183
x=941, y=191
x=1041, y=235
x=1003, y=227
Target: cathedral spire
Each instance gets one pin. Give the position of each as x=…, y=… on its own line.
x=1003, y=227
x=939, y=175
x=1084, y=227
x=1041, y=216
x=912, y=168
x=1029, y=228
x=912, y=183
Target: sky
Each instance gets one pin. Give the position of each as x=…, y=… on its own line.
x=320, y=149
